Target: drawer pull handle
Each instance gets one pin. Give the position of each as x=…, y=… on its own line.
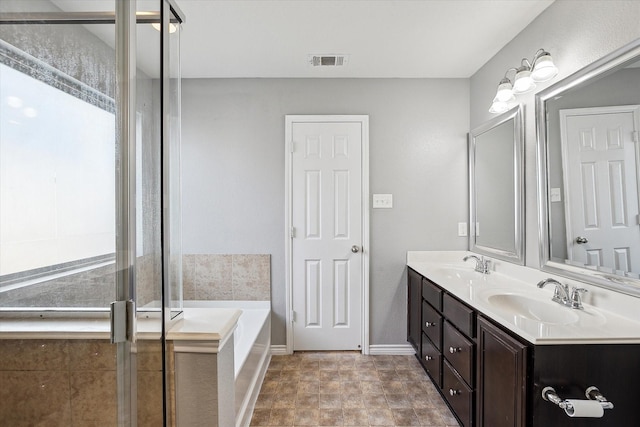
x=428, y=324
x=454, y=350
x=428, y=358
x=453, y=392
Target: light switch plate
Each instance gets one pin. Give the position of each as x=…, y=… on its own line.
x=462, y=229
x=382, y=201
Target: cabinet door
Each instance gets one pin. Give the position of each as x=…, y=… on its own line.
x=414, y=307
x=502, y=375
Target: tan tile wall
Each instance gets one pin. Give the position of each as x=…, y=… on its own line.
x=73, y=383
x=219, y=277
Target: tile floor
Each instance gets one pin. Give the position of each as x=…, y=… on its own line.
x=348, y=389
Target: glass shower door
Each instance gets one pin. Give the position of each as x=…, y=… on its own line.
x=84, y=170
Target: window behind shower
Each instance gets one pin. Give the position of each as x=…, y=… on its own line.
x=58, y=168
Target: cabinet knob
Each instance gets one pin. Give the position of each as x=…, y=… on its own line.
x=453, y=350
x=453, y=392
x=428, y=358
x=428, y=324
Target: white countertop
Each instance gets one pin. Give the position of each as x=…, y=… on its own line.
x=593, y=325
x=196, y=324
x=205, y=324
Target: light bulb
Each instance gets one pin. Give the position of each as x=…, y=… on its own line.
x=523, y=82
x=544, y=69
x=498, y=106
x=505, y=91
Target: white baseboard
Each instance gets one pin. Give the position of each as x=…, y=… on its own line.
x=279, y=350
x=391, y=349
x=380, y=349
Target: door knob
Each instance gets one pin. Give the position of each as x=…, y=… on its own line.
x=355, y=249
x=581, y=240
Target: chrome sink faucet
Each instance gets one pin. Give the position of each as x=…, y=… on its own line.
x=482, y=265
x=561, y=293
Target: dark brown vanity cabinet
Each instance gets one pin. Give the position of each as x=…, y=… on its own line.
x=490, y=377
x=414, y=310
x=502, y=377
x=447, y=347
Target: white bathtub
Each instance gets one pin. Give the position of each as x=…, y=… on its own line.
x=251, y=347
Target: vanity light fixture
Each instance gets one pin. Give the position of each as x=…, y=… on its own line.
x=540, y=69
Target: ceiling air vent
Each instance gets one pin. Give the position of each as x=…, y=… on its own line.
x=328, y=60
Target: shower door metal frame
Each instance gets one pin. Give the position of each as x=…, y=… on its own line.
x=123, y=311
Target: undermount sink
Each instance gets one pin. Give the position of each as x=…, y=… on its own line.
x=548, y=312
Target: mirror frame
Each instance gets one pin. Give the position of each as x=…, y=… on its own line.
x=616, y=59
x=516, y=115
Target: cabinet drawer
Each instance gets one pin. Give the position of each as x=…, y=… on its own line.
x=432, y=324
x=458, y=350
x=463, y=317
x=431, y=359
x=432, y=294
x=458, y=394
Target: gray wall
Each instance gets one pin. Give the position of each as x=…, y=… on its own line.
x=576, y=33
x=234, y=170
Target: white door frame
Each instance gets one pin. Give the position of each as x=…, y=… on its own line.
x=364, y=121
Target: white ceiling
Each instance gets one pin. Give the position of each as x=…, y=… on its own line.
x=384, y=38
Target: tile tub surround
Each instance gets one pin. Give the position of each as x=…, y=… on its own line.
x=223, y=277
x=73, y=383
x=348, y=389
x=62, y=371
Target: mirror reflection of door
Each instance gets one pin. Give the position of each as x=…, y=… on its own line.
x=601, y=180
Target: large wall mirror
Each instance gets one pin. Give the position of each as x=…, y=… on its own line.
x=589, y=173
x=496, y=188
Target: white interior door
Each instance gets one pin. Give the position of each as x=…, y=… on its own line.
x=327, y=238
x=600, y=161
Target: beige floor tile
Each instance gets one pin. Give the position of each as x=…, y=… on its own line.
x=355, y=416
x=282, y=417
x=330, y=417
x=405, y=417
x=307, y=417
x=330, y=401
x=375, y=401
x=307, y=400
x=261, y=417
x=329, y=375
x=348, y=389
x=329, y=387
x=381, y=417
